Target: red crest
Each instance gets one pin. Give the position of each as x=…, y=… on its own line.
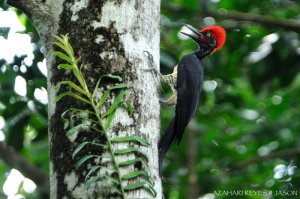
x=218, y=33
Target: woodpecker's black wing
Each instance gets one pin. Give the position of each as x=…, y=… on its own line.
x=189, y=81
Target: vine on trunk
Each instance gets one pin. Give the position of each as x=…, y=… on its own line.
x=103, y=166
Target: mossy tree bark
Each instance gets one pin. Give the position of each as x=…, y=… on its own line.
x=110, y=36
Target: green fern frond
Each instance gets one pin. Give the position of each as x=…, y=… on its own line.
x=132, y=138
x=83, y=144
x=99, y=122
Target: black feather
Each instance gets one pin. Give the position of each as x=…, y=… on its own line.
x=189, y=82
x=165, y=143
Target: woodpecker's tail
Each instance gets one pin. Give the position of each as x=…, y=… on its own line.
x=165, y=143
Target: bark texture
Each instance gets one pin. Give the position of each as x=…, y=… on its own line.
x=111, y=37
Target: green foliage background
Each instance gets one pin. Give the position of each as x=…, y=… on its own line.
x=248, y=108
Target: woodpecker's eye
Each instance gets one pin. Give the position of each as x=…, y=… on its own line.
x=208, y=34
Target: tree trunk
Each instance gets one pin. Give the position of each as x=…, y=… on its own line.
x=110, y=36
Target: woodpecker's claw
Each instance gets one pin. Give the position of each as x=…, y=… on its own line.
x=151, y=62
x=157, y=73
x=164, y=102
x=169, y=102
x=150, y=57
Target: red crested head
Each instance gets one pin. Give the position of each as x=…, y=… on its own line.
x=209, y=39
x=218, y=33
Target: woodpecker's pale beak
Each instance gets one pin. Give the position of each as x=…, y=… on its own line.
x=196, y=36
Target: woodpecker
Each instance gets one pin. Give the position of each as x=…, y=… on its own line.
x=186, y=82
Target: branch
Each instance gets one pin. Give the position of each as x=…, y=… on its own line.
x=287, y=24
x=15, y=160
x=31, y=8
x=278, y=154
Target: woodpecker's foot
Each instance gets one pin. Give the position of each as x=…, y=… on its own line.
x=149, y=56
x=156, y=72
x=171, y=101
x=166, y=102
x=152, y=66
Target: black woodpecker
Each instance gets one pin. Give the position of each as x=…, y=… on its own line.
x=186, y=82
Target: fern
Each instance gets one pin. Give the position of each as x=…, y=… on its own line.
x=93, y=120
